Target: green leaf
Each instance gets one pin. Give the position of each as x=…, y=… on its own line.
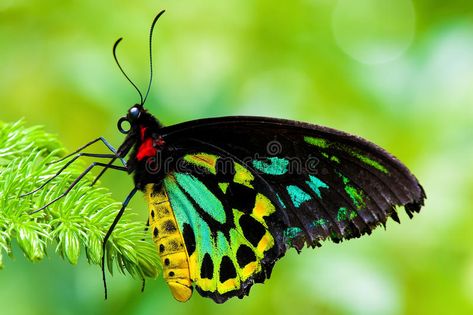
x=79, y=220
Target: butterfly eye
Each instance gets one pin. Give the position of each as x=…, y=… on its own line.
x=134, y=113
x=121, y=127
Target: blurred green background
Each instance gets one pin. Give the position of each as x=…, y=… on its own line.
x=397, y=72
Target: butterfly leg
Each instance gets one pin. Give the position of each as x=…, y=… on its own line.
x=108, y=145
x=143, y=280
x=143, y=283
x=104, y=156
x=76, y=181
x=103, y=140
x=105, y=169
x=109, y=232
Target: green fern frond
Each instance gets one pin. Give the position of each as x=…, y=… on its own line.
x=79, y=220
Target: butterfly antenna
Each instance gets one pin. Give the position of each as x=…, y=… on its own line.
x=151, y=52
x=123, y=72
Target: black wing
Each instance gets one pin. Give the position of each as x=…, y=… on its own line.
x=325, y=183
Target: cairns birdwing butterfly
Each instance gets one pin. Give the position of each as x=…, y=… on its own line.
x=228, y=196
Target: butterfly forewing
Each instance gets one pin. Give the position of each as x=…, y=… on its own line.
x=326, y=183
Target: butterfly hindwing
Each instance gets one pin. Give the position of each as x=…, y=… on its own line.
x=223, y=219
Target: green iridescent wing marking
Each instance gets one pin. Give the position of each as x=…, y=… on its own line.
x=228, y=241
x=324, y=144
x=322, y=184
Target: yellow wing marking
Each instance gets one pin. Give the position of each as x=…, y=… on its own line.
x=207, y=161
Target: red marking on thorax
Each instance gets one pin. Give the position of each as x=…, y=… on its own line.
x=146, y=149
x=142, y=133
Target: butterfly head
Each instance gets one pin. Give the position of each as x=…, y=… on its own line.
x=139, y=126
x=132, y=118
x=136, y=119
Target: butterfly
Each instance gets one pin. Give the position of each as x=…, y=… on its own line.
x=229, y=196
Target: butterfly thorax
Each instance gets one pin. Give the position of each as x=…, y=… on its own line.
x=149, y=146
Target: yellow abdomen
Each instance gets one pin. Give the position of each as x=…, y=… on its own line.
x=169, y=243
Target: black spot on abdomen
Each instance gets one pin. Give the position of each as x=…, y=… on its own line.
x=169, y=226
